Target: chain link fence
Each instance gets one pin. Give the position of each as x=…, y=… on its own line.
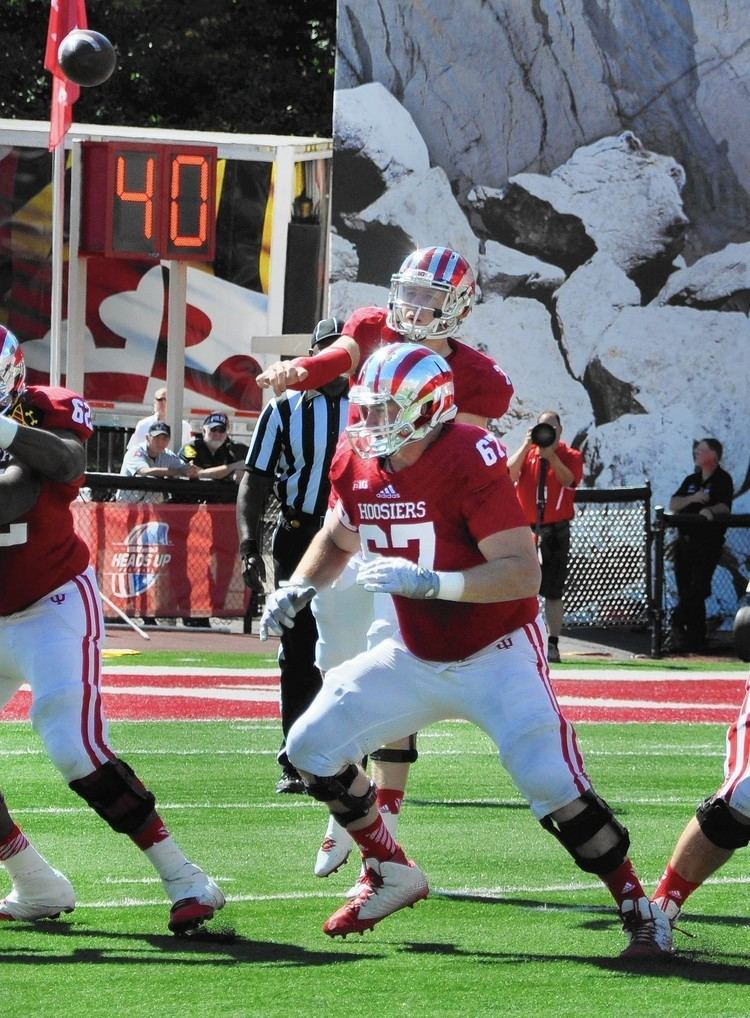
x=609, y=570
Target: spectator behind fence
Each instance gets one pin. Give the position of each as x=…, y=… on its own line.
x=152, y=458
x=707, y=494
x=291, y=452
x=159, y=414
x=218, y=457
x=546, y=496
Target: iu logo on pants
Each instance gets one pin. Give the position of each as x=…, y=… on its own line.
x=57, y=598
x=505, y=644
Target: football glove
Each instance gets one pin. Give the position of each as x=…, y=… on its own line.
x=282, y=606
x=399, y=576
x=254, y=572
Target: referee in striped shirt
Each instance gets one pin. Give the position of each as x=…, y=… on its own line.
x=290, y=453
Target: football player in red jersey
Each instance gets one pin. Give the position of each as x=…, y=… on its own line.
x=430, y=296
x=51, y=630
x=431, y=504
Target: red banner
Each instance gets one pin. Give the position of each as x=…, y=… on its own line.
x=169, y=561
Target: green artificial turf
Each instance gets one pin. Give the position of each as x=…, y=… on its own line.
x=511, y=926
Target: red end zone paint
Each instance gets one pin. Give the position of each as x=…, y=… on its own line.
x=190, y=697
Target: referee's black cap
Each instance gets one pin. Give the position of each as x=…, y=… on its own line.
x=326, y=331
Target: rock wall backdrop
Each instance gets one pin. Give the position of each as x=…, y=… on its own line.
x=591, y=159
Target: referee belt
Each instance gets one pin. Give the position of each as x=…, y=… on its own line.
x=295, y=520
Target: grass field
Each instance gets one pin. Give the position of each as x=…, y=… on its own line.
x=511, y=926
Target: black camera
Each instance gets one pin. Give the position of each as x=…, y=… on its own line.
x=543, y=435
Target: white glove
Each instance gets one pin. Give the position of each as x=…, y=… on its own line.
x=398, y=576
x=282, y=606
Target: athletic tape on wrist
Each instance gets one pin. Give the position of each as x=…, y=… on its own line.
x=451, y=586
x=8, y=431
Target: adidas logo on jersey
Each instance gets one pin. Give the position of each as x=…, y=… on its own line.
x=388, y=492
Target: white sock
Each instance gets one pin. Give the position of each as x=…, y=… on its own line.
x=391, y=822
x=337, y=832
x=168, y=859
x=27, y=863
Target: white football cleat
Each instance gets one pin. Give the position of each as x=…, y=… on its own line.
x=195, y=898
x=334, y=850
x=38, y=895
x=391, y=822
x=389, y=887
x=669, y=907
x=647, y=928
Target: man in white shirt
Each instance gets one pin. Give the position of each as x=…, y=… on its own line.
x=159, y=414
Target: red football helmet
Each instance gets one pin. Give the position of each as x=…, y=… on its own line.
x=12, y=370
x=403, y=392
x=434, y=279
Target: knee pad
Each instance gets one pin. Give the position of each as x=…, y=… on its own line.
x=719, y=825
x=337, y=787
x=118, y=796
x=582, y=828
x=387, y=755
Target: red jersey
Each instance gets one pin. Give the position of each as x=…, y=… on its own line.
x=481, y=386
x=559, y=501
x=40, y=550
x=435, y=512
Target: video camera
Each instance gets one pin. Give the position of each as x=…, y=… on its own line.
x=543, y=435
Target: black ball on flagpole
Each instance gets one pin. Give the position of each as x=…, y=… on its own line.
x=87, y=58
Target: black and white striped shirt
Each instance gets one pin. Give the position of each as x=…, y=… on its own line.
x=294, y=442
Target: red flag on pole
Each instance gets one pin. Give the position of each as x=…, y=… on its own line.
x=64, y=16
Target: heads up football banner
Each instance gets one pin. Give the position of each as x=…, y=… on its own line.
x=164, y=560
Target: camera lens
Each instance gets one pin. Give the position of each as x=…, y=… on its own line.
x=543, y=435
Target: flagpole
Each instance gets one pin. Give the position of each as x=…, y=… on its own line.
x=58, y=225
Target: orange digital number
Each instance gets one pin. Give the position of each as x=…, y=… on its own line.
x=178, y=200
x=145, y=197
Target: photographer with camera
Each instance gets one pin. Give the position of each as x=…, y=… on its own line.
x=546, y=473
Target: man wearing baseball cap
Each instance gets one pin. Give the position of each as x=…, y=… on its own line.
x=153, y=458
x=218, y=457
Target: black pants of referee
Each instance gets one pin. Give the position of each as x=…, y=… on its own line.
x=300, y=679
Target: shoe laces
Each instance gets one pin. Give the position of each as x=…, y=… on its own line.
x=640, y=929
x=369, y=883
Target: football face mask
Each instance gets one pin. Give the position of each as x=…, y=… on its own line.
x=431, y=294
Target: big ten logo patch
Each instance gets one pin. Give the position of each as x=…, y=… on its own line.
x=143, y=557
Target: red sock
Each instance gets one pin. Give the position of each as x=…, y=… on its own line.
x=623, y=883
x=13, y=843
x=151, y=835
x=389, y=800
x=674, y=887
x=376, y=842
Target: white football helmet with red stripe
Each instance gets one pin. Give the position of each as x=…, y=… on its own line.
x=402, y=393
x=433, y=279
x=12, y=370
